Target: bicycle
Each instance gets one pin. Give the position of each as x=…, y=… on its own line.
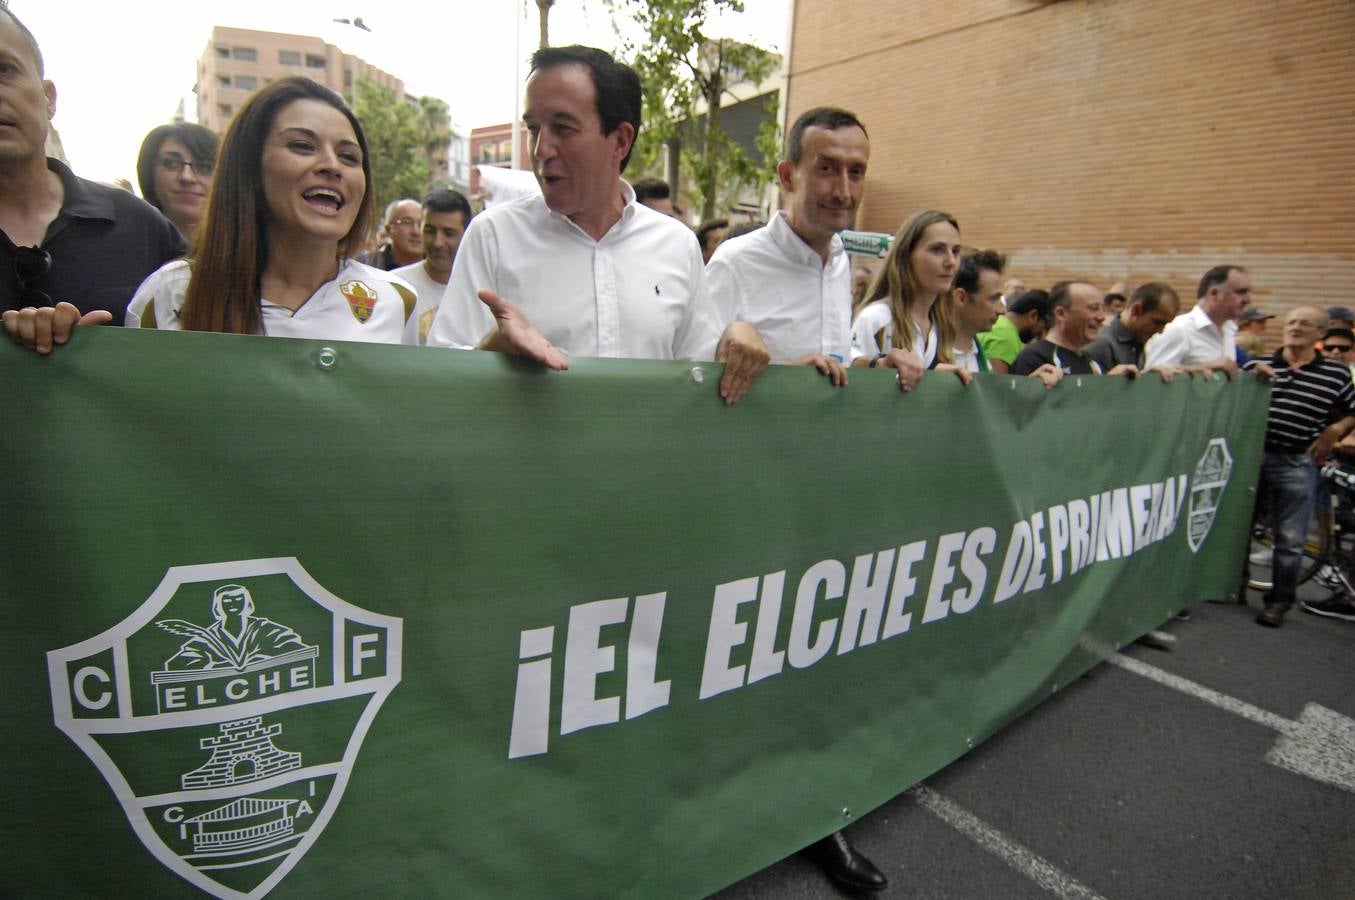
x=1329, y=553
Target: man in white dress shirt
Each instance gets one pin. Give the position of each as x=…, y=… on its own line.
x=1202, y=340
x=590, y=271
x=792, y=281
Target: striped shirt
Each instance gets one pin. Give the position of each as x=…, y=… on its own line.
x=1305, y=400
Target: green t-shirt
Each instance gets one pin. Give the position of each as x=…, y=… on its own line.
x=1003, y=342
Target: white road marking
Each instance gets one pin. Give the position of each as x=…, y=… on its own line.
x=1320, y=745
x=1200, y=692
x=1038, y=870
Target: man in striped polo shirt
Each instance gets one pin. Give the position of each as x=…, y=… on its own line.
x=1312, y=406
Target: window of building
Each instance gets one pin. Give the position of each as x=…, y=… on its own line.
x=222, y=51
x=246, y=82
x=245, y=54
x=289, y=57
x=223, y=81
x=224, y=109
x=315, y=62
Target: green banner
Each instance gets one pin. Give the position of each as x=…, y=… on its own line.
x=303, y=620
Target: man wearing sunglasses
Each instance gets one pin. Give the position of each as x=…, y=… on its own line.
x=63, y=240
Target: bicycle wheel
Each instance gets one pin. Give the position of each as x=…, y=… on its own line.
x=1261, y=559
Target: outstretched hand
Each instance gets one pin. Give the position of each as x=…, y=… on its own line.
x=42, y=328
x=517, y=335
x=745, y=357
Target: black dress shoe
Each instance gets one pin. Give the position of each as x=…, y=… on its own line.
x=844, y=865
x=1271, y=616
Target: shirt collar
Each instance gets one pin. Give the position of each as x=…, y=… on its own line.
x=627, y=213
x=1119, y=332
x=794, y=246
x=79, y=201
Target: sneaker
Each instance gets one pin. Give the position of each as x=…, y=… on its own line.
x=1327, y=577
x=1332, y=609
x=1262, y=556
x=1184, y=615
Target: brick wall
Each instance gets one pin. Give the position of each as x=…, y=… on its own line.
x=1111, y=140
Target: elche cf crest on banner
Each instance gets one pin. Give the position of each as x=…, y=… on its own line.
x=1206, y=491
x=226, y=714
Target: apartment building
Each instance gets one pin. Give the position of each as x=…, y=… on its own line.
x=238, y=61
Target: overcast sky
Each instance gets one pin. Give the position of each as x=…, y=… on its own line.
x=121, y=68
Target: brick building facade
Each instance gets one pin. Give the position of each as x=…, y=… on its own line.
x=1112, y=140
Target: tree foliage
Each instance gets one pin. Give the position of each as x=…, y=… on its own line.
x=679, y=65
x=402, y=139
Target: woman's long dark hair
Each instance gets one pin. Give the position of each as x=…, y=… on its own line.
x=232, y=250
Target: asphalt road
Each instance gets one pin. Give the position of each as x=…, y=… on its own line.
x=1121, y=786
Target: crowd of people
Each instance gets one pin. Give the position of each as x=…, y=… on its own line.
x=278, y=212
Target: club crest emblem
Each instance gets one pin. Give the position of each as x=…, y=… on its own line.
x=361, y=299
x=1206, y=489
x=226, y=714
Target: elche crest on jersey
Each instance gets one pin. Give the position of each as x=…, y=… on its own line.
x=1206, y=491
x=226, y=713
x=361, y=299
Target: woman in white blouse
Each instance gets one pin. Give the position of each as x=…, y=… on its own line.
x=902, y=323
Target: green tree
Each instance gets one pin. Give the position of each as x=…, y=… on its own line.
x=435, y=133
x=395, y=143
x=679, y=65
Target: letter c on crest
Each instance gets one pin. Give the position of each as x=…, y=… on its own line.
x=81, y=682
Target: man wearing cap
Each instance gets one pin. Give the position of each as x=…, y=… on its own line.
x=1337, y=343
x=1340, y=317
x=1253, y=321
x=1203, y=340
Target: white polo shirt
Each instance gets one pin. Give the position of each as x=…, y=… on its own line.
x=873, y=334
x=635, y=294
x=430, y=295
x=360, y=304
x=778, y=283
x=1191, y=339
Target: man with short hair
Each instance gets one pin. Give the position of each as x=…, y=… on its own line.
x=404, y=242
x=446, y=213
x=592, y=272
x=1151, y=308
x=1203, y=340
x=710, y=234
x=71, y=250
x=1028, y=317
x=791, y=280
x=1312, y=406
x=976, y=306
x=1077, y=321
x=655, y=193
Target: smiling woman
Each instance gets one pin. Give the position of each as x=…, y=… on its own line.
x=287, y=212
